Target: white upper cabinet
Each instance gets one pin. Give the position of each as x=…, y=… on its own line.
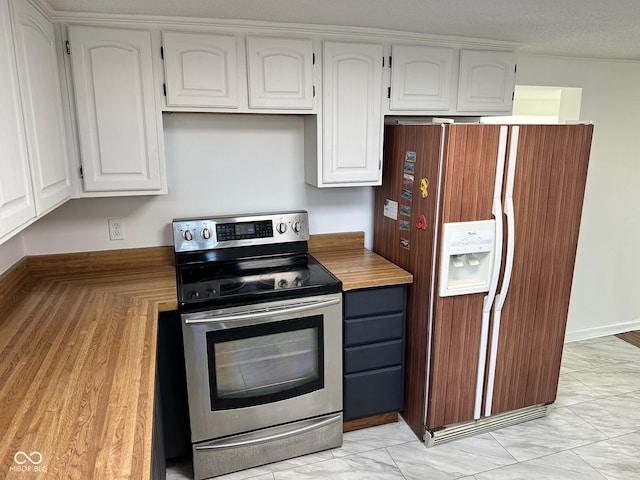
x=201, y=70
x=42, y=105
x=17, y=206
x=421, y=78
x=119, y=120
x=280, y=73
x=486, y=81
x=352, y=114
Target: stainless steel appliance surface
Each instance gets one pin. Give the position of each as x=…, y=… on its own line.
x=262, y=331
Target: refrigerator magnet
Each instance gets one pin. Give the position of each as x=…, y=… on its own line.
x=406, y=194
x=390, y=209
x=410, y=156
x=407, y=179
x=404, y=243
x=405, y=210
x=421, y=224
x=409, y=168
x=424, y=187
x=405, y=225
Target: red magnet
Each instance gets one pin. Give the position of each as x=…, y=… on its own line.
x=421, y=223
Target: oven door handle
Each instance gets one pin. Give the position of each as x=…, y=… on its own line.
x=256, y=438
x=262, y=313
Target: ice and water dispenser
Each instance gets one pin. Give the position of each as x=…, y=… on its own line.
x=466, y=260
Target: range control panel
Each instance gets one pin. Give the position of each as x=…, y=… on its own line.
x=193, y=234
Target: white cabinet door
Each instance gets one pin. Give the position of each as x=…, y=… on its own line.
x=16, y=196
x=421, y=77
x=42, y=105
x=486, y=81
x=280, y=72
x=201, y=70
x=119, y=123
x=352, y=114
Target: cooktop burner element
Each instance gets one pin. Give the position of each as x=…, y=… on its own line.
x=235, y=260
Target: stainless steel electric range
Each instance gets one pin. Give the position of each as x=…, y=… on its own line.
x=262, y=331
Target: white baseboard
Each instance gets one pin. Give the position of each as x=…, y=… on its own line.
x=602, y=331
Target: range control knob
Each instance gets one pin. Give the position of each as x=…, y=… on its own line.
x=206, y=233
x=283, y=283
x=281, y=227
x=187, y=235
x=296, y=226
x=194, y=295
x=211, y=292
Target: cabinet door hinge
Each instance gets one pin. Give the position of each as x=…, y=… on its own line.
x=81, y=173
x=389, y=61
x=68, y=47
x=515, y=68
x=388, y=92
x=162, y=53
x=379, y=164
x=314, y=90
x=513, y=96
x=164, y=89
x=313, y=58
x=383, y=61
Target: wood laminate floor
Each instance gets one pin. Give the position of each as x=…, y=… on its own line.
x=631, y=337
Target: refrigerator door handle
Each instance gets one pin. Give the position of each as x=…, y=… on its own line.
x=487, y=304
x=508, y=268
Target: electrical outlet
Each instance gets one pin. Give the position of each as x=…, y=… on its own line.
x=116, y=229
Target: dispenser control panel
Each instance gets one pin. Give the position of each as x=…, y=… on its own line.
x=471, y=240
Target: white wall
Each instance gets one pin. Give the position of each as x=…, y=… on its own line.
x=216, y=164
x=606, y=288
x=10, y=252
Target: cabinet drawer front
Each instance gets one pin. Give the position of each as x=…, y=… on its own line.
x=373, y=329
x=372, y=393
x=369, y=357
x=373, y=301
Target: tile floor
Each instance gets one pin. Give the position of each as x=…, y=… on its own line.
x=592, y=432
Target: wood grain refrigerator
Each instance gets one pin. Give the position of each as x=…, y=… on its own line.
x=486, y=218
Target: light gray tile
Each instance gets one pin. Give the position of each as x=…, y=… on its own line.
x=614, y=416
x=372, y=465
x=250, y=473
x=611, y=379
x=635, y=394
x=616, y=459
x=608, y=351
x=572, y=362
x=572, y=391
x=374, y=438
x=560, y=430
x=558, y=466
x=450, y=460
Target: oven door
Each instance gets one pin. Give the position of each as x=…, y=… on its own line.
x=263, y=365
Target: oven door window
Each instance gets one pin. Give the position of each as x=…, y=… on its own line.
x=264, y=363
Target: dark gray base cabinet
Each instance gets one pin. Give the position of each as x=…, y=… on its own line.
x=374, y=328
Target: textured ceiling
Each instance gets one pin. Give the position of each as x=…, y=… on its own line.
x=586, y=28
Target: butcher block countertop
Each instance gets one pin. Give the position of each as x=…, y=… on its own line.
x=78, y=354
x=345, y=256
